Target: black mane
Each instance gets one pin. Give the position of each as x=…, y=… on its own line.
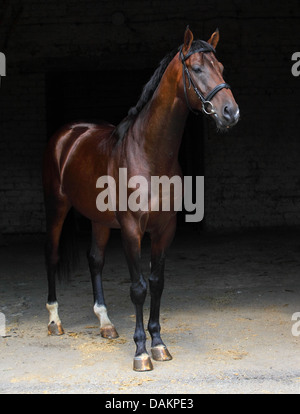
x=151, y=86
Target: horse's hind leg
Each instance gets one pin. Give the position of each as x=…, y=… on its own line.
x=131, y=234
x=96, y=262
x=55, y=217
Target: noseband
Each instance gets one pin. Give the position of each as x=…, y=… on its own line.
x=207, y=106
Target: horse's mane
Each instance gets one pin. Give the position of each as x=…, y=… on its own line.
x=149, y=89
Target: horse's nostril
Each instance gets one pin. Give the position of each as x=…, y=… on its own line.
x=227, y=113
x=231, y=114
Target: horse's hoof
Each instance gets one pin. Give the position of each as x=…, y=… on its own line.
x=142, y=363
x=161, y=353
x=55, y=329
x=109, y=332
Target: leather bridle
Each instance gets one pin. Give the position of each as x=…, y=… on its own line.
x=207, y=106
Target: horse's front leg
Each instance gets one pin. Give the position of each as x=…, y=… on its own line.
x=159, y=244
x=132, y=245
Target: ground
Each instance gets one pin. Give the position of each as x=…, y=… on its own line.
x=226, y=318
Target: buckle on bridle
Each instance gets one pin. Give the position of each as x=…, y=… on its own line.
x=208, y=108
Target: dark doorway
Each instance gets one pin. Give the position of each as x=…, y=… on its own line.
x=191, y=159
x=107, y=95
x=92, y=95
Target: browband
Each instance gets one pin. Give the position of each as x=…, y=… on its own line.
x=205, y=49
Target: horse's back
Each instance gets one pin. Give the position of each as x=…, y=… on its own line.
x=63, y=141
x=76, y=156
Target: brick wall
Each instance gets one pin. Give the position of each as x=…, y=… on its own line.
x=21, y=147
x=251, y=174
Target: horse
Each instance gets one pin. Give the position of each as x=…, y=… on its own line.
x=146, y=143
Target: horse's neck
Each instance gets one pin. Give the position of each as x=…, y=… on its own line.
x=162, y=121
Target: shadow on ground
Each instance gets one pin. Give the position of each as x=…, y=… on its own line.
x=226, y=318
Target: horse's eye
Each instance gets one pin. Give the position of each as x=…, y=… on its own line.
x=196, y=69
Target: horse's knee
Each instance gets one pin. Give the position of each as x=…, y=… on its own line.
x=138, y=291
x=96, y=261
x=156, y=283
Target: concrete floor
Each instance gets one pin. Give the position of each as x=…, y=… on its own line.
x=226, y=319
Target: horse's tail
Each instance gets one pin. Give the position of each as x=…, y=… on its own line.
x=68, y=248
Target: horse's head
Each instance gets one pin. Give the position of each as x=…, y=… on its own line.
x=204, y=87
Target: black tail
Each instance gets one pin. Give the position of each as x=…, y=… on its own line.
x=68, y=248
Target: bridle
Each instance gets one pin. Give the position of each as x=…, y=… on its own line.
x=207, y=106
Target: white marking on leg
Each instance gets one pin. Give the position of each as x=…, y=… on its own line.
x=53, y=313
x=101, y=313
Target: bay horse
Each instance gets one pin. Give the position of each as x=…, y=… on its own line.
x=146, y=143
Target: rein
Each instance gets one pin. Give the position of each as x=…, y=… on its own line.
x=207, y=106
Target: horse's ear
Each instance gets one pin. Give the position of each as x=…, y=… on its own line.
x=214, y=40
x=188, y=40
